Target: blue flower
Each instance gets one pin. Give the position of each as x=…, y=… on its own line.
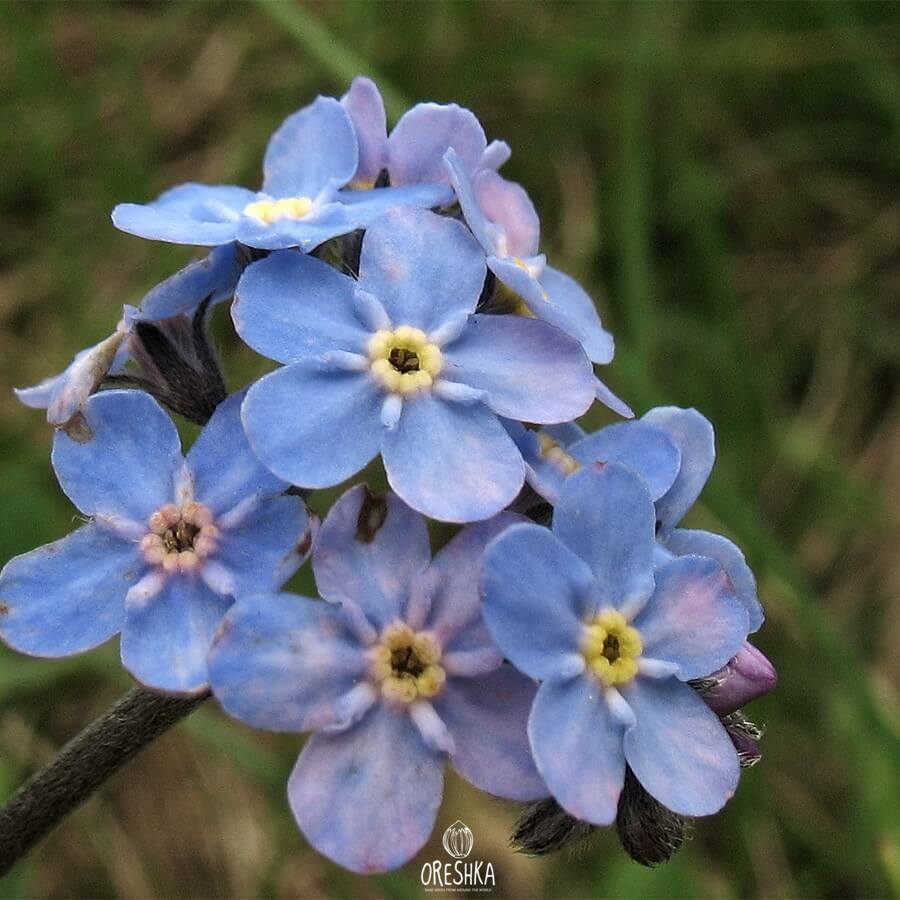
x=673, y=450
x=173, y=301
x=414, y=152
x=309, y=158
x=505, y=223
x=169, y=544
x=613, y=640
x=396, y=674
x=396, y=363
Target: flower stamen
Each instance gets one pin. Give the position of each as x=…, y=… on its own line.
x=405, y=664
x=404, y=360
x=553, y=452
x=611, y=648
x=180, y=539
x=270, y=211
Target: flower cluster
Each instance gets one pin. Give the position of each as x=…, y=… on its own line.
x=397, y=280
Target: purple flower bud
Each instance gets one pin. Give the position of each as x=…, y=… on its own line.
x=744, y=678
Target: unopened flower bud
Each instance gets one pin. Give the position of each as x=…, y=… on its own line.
x=744, y=678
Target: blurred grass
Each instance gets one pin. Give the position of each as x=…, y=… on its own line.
x=722, y=176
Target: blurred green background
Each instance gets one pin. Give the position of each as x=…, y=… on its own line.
x=723, y=178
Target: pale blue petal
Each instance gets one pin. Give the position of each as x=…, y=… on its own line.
x=487, y=718
x=369, y=550
x=312, y=149
x=452, y=462
x=166, y=639
x=423, y=135
x=577, y=745
x=489, y=234
x=215, y=276
x=224, y=468
x=528, y=370
x=605, y=515
x=454, y=585
x=678, y=749
x=535, y=586
x=693, y=618
x=365, y=107
x=284, y=662
x=424, y=268
x=544, y=475
x=522, y=282
x=40, y=395
x=569, y=307
x=641, y=447
x=692, y=433
x=320, y=225
x=67, y=596
x=256, y=552
x=367, y=798
x=684, y=541
x=290, y=306
x=313, y=426
x=565, y=433
x=366, y=206
x=197, y=214
x=612, y=401
x=127, y=468
x=509, y=205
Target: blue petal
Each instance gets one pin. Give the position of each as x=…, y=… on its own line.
x=571, y=309
x=535, y=586
x=522, y=282
x=127, y=468
x=312, y=149
x=166, y=638
x=641, y=447
x=489, y=234
x=678, y=749
x=320, y=225
x=367, y=798
x=509, y=205
x=605, y=515
x=577, y=745
x=454, y=585
x=528, y=370
x=197, y=214
x=487, y=718
x=213, y=276
x=41, y=395
x=424, y=268
x=423, y=135
x=611, y=401
x=544, y=475
x=68, y=596
x=693, y=435
x=366, y=206
x=684, y=541
x=452, y=462
x=290, y=306
x=565, y=433
x=693, y=618
x=262, y=552
x=284, y=662
x=311, y=426
x=224, y=468
x=365, y=107
x=369, y=550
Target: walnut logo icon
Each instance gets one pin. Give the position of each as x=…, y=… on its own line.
x=459, y=840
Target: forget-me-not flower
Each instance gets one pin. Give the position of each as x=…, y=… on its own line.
x=311, y=156
x=169, y=542
x=673, y=450
x=414, y=152
x=613, y=640
x=397, y=363
x=396, y=674
x=505, y=223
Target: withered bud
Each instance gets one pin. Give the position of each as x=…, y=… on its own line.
x=545, y=827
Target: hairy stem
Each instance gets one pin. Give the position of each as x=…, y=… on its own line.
x=133, y=722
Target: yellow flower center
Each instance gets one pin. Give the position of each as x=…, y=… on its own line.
x=403, y=360
x=179, y=539
x=270, y=211
x=611, y=648
x=405, y=664
x=552, y=451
